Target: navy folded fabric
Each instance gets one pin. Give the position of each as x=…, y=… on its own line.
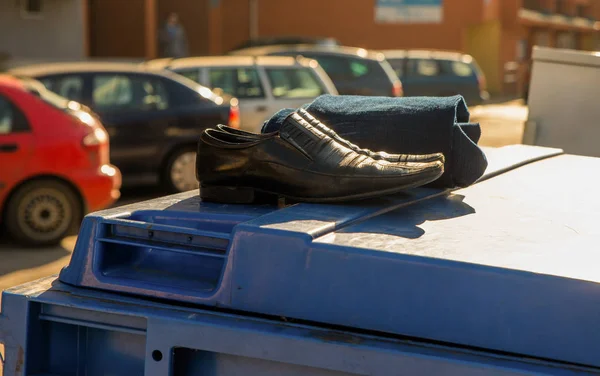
x=409, y=125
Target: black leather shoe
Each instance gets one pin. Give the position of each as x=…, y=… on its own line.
x=300, y=163
x=375, y=155
x=331, y=133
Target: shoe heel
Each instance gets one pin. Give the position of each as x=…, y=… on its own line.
x=227, y=195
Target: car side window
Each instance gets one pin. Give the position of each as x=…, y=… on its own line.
x=358, y=68
x=70, y=87
x=12, y=120
x=335, y=67
x=121, y=92
x=294, y=83
x=458, y=68
x=243, y=83
x=397, y=66
x=422, y=67
x=248, y=84
x=222, y=79
x=349, y=69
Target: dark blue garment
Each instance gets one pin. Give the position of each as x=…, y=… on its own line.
x=411, y=125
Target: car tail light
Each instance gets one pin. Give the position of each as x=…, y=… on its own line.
x=97, y=144
x=482, y=82
x=397, y=89
x=234, y=116
x=97, y=137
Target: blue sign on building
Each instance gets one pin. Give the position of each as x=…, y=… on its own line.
x=409, y=11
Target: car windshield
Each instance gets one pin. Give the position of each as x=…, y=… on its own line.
x=202, y=90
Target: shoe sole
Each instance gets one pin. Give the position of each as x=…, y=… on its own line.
x=249, y=195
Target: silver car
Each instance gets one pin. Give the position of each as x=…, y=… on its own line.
x=263, y=85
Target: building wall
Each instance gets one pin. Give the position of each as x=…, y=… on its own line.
x=352, y=22
x=234, y=24
x=116, y=28
x=483, y=43
x=57, y=34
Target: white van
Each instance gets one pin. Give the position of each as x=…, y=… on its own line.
x=263, y=85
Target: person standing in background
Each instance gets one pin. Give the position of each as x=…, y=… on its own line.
x=173, y=40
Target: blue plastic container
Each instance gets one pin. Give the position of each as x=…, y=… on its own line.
x=502, y=271
x=54, y=329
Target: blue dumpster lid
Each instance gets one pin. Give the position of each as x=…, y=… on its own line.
x=507, y=264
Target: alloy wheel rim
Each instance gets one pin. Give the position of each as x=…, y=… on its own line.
x=44, y=214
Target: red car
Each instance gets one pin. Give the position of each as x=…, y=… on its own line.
x=54, y=163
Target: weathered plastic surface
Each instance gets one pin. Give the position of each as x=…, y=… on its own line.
x=55, y=329
x=507, y=265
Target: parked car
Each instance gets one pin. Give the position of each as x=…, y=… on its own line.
x=263, y=85
x=153, y=118
x=269, y=41
x=354, y=71
x=439, y=73
x=54, y=163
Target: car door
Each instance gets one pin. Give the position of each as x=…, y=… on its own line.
x=134, y=109
x=245, y=84
x=292, y=87
x=16, y=143
x=191, y=112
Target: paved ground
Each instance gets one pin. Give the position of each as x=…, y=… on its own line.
x=502, y=124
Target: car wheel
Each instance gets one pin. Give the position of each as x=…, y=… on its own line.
x=180, y=171
x=42, y=212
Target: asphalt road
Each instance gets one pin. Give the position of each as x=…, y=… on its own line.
x=502, y=124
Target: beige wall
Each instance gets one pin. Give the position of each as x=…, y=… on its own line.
x=483, y=43
x=57, y=34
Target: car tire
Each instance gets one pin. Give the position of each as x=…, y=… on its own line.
x=179, y=173
x=42, y=212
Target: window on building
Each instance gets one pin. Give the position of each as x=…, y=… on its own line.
x=32, y=8
x=566, y=40
x=581, y=11
x=541, y=38
x=12, y=120
x=561, y=7
x=123, y=93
